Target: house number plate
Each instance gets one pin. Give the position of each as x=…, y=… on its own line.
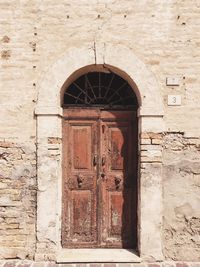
x=174, y=100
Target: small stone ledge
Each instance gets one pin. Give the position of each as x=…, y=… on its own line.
x=18, y=263
x=95, y=256
x=48, y=111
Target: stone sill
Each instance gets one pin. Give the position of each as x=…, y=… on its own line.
x=97, y=255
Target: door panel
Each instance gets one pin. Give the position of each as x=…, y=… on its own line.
x=79, y=228
x=118, y=153
x=119, y=194
x=81, y=222
x=116, y=208
x=81, y=147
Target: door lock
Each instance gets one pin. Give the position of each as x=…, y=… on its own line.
x=95, y=159
x=117, y=181
x=79, y=180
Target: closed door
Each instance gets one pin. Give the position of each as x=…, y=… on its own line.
x=99, y=179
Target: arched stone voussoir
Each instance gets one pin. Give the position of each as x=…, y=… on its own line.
x=51, y=82
x=147, y=89
x=121, y=60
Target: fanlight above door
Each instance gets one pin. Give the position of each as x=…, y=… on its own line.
x=105, y=90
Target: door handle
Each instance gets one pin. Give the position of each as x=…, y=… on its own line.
x=95, y=159
x=103, y=160
x=117, y=181
x=79, y=180
x=103, y=176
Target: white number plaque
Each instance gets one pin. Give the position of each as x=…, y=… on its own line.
x=174, y=100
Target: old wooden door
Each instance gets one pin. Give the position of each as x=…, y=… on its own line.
x=99, y=179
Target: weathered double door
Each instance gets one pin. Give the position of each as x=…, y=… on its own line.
x=99, y=179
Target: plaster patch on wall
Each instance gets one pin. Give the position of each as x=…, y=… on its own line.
x=181, y=197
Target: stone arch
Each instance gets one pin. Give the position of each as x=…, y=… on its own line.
x=49, y=133
x=100, y=68
x=120, y=59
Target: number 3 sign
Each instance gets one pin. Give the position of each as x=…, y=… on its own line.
x=174, y=100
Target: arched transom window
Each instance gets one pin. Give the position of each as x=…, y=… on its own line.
x=100, y=89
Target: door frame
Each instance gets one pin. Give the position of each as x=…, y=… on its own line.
x=49, y=149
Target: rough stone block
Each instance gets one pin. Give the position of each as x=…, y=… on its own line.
x=95, y=264
x=150, y=135
x=156, y=141
x=110, y=265
x=182, y=264
x=145, y=141
x=38, y=264
x=5, y=144
x=24, y=264
x=153, y=265
x=151, y=147
x=144, y=135
x=51, y=264
x=195, y=264
x=168, y=264
x=10, y=264
x=54, y=140
x=124, y=265
x=81, y=265
x=139, y=264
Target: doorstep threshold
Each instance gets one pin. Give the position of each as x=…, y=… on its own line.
x=97, y=255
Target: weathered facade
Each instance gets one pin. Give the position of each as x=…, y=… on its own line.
x=44, y=47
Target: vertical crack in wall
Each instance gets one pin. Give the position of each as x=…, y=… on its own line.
x=104, y=53
x=95, y=54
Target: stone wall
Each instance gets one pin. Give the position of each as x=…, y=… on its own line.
x=165, y=35
x=181, y=186
x=17, y=200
